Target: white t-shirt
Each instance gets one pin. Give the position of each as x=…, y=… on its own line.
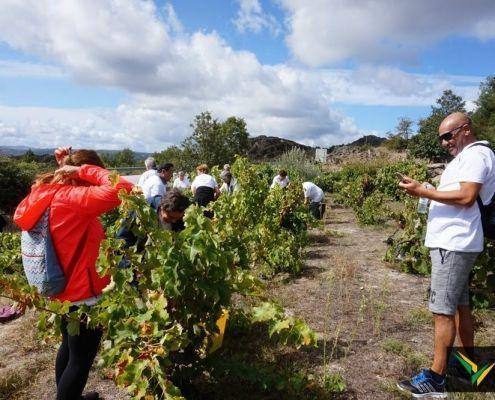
x=145, y=176
x=181, y=185
x=204, y=180
x=455, y=227
x=313, y=192
x=279, y=181
x=153, y=186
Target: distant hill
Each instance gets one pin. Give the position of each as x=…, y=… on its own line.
x=268, y=147
x=368, y=140
x=14, y=151
x=20, y=150
x=260, y=148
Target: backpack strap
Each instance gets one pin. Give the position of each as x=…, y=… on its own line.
x=482, y=144
x=478, y=199
x=480, y=203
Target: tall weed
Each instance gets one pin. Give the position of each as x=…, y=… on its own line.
x=298, y=165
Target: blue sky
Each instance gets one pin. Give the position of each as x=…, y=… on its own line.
x=133, y=73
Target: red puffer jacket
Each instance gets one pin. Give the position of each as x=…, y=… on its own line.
x=74, y=226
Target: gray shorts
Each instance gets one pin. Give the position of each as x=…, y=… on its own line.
x=449, y=280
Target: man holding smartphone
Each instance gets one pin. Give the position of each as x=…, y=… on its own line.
x=455, y=239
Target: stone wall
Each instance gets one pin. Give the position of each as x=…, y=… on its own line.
x=435, y=171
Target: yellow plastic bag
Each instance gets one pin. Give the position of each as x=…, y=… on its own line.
x=217, y=338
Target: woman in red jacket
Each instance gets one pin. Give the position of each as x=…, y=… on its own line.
x=77, y=194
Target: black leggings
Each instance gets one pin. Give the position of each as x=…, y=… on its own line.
x=74, y=359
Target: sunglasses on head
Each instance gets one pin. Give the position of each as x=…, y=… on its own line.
x=450, y=134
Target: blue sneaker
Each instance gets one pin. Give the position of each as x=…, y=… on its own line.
x=423, y=385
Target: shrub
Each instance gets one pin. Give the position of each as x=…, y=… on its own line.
x=16, y=179
x=298, y=165
x=366, y=186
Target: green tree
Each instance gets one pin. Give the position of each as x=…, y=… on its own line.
x=395, y=142
x=16, y=179
x=448, y=103
x=176, y=156
x=403, y=128
x=484, y=116
x=214, y=142
x=108, y=159
x=29, y=156
x=400, y=138
x=236, y=136
x=125, y=158
x=425, y=144
x=204, y=139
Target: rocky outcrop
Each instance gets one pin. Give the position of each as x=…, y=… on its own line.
x=356, y=146
x=268, y=147
x=368, y=140
x=435, y=171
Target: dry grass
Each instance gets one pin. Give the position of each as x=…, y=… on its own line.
x=22, y=356
x=27, y=365
x=472, y=396
x=418, y=316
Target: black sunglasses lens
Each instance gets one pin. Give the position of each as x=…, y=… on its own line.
x=446, y=136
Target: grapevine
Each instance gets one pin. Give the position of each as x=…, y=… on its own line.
x=370, y=189
x=159, y=314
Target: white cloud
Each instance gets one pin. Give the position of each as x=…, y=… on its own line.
x=172, y=75
x=326, y=32
x=102, y=42
x=252, y=18
x=386, y=86
x=11, y=68
x=295, y=104
x=49, y=127
x=172, y=21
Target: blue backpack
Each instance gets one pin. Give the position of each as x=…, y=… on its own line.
x=39, y=259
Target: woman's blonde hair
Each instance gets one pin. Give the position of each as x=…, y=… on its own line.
x=202, y=168
x=78, y=158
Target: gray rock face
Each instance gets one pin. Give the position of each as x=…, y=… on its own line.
x=436, y=170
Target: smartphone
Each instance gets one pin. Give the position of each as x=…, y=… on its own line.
x=399, y=176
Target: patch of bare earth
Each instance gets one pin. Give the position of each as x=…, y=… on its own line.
x=372, y=320
x=27, y=367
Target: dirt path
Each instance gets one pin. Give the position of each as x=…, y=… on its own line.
x=372, y=320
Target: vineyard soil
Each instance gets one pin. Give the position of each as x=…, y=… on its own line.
x=371, y=319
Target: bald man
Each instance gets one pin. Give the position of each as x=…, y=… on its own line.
x=455, y=238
